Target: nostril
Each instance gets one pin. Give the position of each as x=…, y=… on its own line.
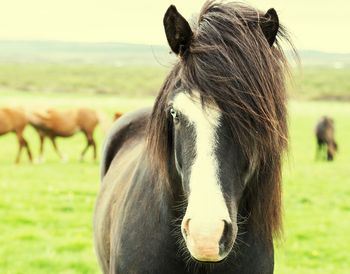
x=228, y=230
x=185, y=229
x=226, y=240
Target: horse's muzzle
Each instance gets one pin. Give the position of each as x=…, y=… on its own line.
x=209, y=240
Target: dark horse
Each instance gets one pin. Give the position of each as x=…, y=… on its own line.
x=194, y=184
x=325, y=138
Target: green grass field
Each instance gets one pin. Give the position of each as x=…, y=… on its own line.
x=309, y=82
x=46, y=209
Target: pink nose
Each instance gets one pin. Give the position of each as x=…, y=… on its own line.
x=208, y=240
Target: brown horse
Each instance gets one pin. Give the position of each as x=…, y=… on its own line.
x=117, y=115
x=325, y=138
x=194, y=184
x=15, y=120
x=54, y=123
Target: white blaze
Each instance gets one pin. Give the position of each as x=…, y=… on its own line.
x=205, y=201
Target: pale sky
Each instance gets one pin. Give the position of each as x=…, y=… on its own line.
x=315, y=24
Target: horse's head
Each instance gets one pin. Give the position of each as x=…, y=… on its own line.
x=213, y=167
x=225, y=117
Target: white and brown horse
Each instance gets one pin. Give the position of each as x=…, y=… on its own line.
x=194, y=184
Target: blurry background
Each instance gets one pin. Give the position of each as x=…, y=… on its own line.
x=112, y=55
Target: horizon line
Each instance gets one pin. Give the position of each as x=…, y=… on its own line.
x=135, y=44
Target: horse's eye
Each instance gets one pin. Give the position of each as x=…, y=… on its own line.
x=174, y=114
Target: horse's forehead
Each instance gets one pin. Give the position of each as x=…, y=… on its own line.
x=190, y=105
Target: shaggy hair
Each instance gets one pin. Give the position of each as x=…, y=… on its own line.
x=230, y=61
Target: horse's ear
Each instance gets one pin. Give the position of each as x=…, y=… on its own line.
x=269, y=26
x=177, y=30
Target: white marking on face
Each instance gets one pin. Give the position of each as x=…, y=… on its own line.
x=205, y=201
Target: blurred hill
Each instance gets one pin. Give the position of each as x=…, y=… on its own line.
x=121, y=54
x=116, y=54
x=319, y=58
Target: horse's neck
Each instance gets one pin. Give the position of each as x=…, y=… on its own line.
x=253, y=254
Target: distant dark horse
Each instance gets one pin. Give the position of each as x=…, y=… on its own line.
x=194, y=185
x=325, y=138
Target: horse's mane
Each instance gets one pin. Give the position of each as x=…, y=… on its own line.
x=230, y=61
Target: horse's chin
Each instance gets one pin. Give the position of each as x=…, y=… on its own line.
x=208, y=262
x=209, y=259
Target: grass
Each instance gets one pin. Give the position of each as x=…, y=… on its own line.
x=321, y=83
x=317, y=207
x=46, y=209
